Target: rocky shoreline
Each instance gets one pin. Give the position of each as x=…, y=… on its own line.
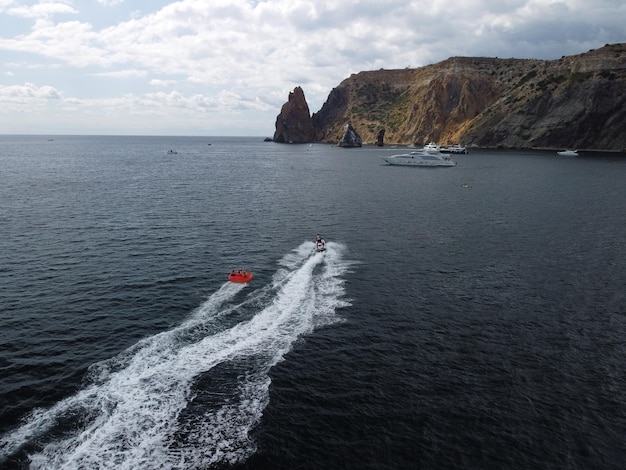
x=574, y=102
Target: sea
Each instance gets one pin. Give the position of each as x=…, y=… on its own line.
x=470, y=317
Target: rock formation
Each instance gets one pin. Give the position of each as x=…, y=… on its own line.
x=350, y=137
x=573, y=102
x=380, y=138
x=293, y=124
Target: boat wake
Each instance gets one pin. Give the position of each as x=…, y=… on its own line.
x=188, y=397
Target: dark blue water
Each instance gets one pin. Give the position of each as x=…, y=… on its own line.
x=465, y=317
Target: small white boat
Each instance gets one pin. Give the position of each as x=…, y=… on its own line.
x=420, y=158
x=432, y=147
x=568, y=153
x=172, y=152
x=457, y=148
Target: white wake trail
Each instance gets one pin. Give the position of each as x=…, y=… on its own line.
x=135, y=414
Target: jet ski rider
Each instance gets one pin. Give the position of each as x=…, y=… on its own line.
x=319, y=241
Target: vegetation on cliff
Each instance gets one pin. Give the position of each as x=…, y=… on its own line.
x=576, y=101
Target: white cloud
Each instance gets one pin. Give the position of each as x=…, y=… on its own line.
x=162, y=83
x=122, y=74
x=239, y=56
x=39, y=10
x=110, y=3
x=27, y=93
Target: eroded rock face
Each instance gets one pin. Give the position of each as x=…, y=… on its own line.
x=574, y=102
x=293, y=124
x=326, y=121
x=350, y=137
x=380, y=138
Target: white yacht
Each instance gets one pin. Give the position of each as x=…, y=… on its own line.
x=420, y=158
x=568, y=153
x=457, y=148
x=432, y=147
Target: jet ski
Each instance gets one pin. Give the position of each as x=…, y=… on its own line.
x=320, y=244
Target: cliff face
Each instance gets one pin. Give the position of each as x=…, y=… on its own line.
x=351, y=138
x=573, y=102
x=294, y=124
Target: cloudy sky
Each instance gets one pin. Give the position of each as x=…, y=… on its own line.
x=225, y=67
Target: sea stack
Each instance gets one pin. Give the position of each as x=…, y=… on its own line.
x=293, y=124
x=350, y=137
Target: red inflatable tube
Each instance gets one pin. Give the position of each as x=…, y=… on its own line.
x=240, y=276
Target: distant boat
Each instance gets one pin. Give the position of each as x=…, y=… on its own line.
x=172, y=152
x=420, y=158
x=432, y=147
x=568, y=153
x=458, y=148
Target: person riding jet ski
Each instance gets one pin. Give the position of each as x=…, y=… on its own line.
x=320, y=244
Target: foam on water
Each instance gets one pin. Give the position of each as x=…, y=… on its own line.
x=134, y=411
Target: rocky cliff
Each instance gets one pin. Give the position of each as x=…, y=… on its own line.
x=350, y=138
x=294, y=124
x=573, y=102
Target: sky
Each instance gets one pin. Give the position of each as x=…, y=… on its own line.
x=225, y=67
